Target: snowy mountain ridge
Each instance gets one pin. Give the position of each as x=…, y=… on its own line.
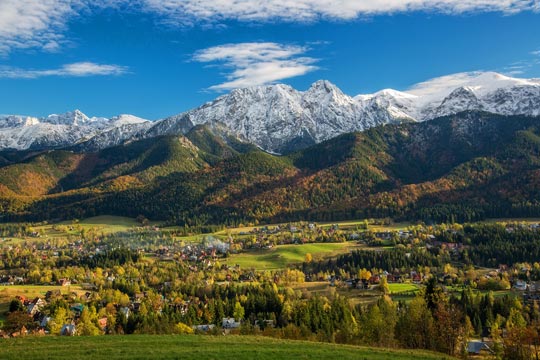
x=278, y=118
x=62, y=130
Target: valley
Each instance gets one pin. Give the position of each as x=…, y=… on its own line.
x=82, y=266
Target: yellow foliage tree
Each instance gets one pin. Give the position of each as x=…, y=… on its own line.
x=182, y=328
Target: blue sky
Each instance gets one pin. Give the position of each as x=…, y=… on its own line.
x=155, y=58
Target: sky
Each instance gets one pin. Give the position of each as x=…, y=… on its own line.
x=156, y=58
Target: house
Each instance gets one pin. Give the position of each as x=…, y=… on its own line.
x=520, y=285
x=477, y=347
x=416, y=278
x=103, y=323
x=45, y=321
x=404, y=234
x=230, y=323
x=64, y=282
x=68, y=330
x=77, y=309
x=39, y=301
x=204, y=328
x=35, y=306
x=534, y=286
x=385, y=235
x=125, y=311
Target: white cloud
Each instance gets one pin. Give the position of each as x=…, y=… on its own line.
x=41, y=23
x=32, y=23
x=535, y=53
x=80, y=69
x=310, y=10
x=259, y=63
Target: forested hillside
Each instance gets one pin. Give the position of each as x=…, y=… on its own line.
x=462, y=167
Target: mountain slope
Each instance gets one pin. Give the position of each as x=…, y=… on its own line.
x=465, y=166
x=126, y=166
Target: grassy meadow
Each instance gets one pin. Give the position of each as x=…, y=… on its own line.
x=282, y=255
x=193, y=347
x=101, y=224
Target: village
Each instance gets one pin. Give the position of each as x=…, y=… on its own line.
x=102, y=282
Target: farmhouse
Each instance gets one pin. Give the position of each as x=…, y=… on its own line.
x=68, y=330
x=477, y=347
x=230, y=323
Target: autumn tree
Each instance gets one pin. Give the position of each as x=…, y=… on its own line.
x=415, y=326
x=383, y=285
x=238, y=311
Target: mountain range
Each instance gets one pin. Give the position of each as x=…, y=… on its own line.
x=279, y=119
x=462, y=147
x=464, y=167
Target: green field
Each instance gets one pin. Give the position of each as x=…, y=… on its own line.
x=102, y=224
x=32, y=291
x=347, y=224
x=281, y=256
x=193, y=347
x=402, y=288
x=106, y=224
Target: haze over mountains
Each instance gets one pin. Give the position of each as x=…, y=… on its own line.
x=280, y=119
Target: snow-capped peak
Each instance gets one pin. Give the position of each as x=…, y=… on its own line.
x=481, y=83
x=75, y=117
x=126, y=119
x=386, y=93
x=62, y=130
x=279, y=118
x=323, y=85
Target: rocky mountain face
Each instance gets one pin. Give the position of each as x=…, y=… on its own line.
x=66, y=130
x=280, y=119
